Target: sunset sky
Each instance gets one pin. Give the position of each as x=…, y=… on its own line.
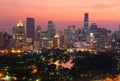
x=63, y=12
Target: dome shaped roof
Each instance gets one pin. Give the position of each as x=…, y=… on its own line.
x=19, y=23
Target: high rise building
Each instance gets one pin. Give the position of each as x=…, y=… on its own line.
x=38, y=33
x=86, y=21
x=19, y=36
x=79, y=34
x=117, y=48
x=101, y=38
x=38, y=39
x=5, y=39
x=56, y=41
x=30, y=28
x=65, y=32
x=63, y=41
x=51, y=25
x=72, y=35
x=93, y=27
x=86, y=25
x=51, y=30
x=115, y=37
x=44, y=40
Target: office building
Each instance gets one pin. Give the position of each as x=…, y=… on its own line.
x=44, y=40
x=86, y=22
x=115, y=37
x=19, y=40
x=51, y=30
x=30, y=28
x=38, y=39
x=38, y=33
x=5, y=39
x=56, y=41
x=71, y=35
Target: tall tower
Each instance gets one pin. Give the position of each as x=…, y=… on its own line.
x=51, y=25
x=5, y=39
x=30, y=28
x=51, y=30
x=19, y=35
x=86, y=22
x=72, y=35
x=38, y=33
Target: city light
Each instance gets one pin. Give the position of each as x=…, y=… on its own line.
x=14, y=78
x=108, y=79
x=39, y=79
x=1, y=74
x=85, y=52
x=16, y=51
x=13, y=51
x=57, y=63
x=19, y=23
x=7, y=78
x=34, y=70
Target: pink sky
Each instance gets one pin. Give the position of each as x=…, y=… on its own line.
x=63, y=12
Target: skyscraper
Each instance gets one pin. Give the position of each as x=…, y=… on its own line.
x=51, y=25
x=30, y=28
x=38, y=33
x=56, y=41
x=19, y=36
x=51, y=30
x=5, y=39
x=86, y=22
x=85, y=29
x=72, y=35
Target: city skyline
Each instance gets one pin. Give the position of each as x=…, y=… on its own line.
x=104, y=12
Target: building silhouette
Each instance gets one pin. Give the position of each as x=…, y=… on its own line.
x=5, y=39
x=71, y=35
x=51, y=30
x=19, y=39
x=38, y=33
x=86, y=24
x=56, y=41
x=86, y=21
x=30, y=28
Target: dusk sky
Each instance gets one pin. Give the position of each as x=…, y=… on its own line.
x=105, y=13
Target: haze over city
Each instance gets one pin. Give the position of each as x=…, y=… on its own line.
x=60, y=40
x=63, y=12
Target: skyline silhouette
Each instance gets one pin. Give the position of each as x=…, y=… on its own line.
x=62, y=12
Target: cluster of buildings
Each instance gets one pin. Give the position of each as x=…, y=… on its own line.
x=5, y=39
x=32, y=38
